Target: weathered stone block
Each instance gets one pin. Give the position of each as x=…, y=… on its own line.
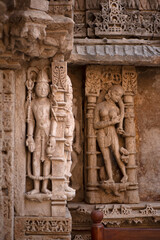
x=39, y=5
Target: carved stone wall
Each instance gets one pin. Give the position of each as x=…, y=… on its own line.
x=33, y=36
x=7, y=109
x=36, y=40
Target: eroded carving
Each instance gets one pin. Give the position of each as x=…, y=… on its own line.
x=61, y=7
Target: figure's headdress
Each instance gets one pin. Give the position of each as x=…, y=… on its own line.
x=42, y=77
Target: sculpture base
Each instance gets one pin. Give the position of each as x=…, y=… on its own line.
x=39, y=197
x=112, y=193
x=43, y=227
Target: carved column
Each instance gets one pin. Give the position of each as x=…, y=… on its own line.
x=92, y=91
x=59, y=74
x=129, y=83
x=91, y=143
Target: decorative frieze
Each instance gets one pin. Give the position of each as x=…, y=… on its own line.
x=46, y=227
x=120, y=18
x=41, y=226
x=116, y=215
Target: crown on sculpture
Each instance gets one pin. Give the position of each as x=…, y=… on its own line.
x=42, y=77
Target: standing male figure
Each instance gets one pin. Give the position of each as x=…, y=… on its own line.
x=41, y=134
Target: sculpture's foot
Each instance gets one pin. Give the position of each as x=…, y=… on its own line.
x=46, y=191
x=109, y=181
x=69, y=189
x=124, y=179
x=34, y=191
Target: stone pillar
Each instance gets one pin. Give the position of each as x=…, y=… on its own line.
x=92, y=90
x=59, y=74
x=129, y=83
x=91, y=143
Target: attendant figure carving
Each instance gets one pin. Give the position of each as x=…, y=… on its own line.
x=41, y=134
x=68, y=134
x=108, y=115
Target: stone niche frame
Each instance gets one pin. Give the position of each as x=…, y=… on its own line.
x=101, y=78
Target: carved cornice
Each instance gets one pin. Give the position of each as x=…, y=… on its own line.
x=116, y=214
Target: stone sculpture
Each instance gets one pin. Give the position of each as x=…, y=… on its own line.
x=76, y=143
x=41, y=133
x=107, y=115
x=68, y=134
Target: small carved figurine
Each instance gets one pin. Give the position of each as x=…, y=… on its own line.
x=108, y=114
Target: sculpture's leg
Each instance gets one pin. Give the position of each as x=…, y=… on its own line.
x=36, y=173
x=46, y=172
x=107, y=161
x=115, y=149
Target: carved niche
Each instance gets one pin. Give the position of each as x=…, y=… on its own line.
x=111, y=148
x=50, y=126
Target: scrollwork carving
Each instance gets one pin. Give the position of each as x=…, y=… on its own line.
x=44, y=226
x=115, y=19
x=100, y=77
x=59, y=73
x=129, y=77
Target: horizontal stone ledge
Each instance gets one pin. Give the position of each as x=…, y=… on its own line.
x=139, y=55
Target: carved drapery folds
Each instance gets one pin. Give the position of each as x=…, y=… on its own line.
x=111, y=166
x=117, y=18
